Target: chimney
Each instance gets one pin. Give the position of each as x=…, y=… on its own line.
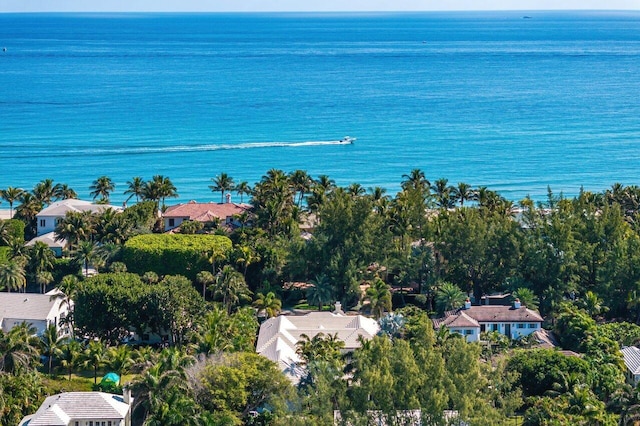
x=227, y=198
x=126, y=395
x=338, y=309
x=516, y=304
x=467, y=304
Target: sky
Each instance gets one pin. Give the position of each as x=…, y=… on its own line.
x=306, y=5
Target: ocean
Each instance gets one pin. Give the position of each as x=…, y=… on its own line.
x=497, y=99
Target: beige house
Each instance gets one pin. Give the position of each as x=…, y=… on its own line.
x=83, y=409
x=278, y=336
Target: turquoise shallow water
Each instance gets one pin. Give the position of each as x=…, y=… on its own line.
x=486, y=98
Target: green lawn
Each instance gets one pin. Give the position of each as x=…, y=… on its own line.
x=80, y=382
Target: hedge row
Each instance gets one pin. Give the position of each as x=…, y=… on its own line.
x=174, y=254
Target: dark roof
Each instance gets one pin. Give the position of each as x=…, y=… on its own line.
x=502, y=313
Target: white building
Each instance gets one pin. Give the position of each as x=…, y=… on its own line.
x=38, y=310
x=631, y=356
x=49, y=217
x=278, y=336
x=513, y=321
x=83, y=409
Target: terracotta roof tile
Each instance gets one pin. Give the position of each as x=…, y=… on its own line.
x=205, y=211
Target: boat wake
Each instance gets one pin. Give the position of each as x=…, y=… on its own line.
x=71, y=152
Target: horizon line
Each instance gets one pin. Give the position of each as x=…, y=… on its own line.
x=321, y=11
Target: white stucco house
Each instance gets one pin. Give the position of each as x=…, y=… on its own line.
x=49, y=217
x=83, y=409
x=631, y=355
x=513, y=321
x=278, y=336
x=38, y=310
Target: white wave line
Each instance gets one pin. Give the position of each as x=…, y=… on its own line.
x=196, y=148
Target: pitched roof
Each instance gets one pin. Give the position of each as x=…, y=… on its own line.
x=278, y=336
x=49, y=239
x=27, y=306
x=631, y=356
x=502, y=314
x=61, y=408
x=457, y=319
x=205, y=211
x=60, y=208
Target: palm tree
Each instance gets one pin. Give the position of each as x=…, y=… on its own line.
x=415, y=180
x=67, y=290
x=268, y=303
x=95, y=356
x=231, y=286
x=222, y=183
x=18, y=348
x=527, y=297
x=102, y=187
x=442, y=191
x=463, y=192
x=149, y=387
x=51, y=344
x=45, y=191
x=75, y=228
x=379, y=296
x=449, y=296
x=301, y=183
x=135, y=187
x=356, y=190
x=592, y=304
x=320, y=292
x=65, y=192
x=205, y=278
x=41, y=260
x=119, y=359
x=164, y=188
x=12, y=275
x=243, y=188
x=70, y=355
x=10, y=195
x=29, y=207
x=85, y=254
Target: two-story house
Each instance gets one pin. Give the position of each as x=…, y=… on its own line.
x=38, y=310
x=513, y=321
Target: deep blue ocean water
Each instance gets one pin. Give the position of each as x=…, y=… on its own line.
x=486, y=98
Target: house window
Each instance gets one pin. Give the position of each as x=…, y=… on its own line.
x=172, y=222
x=77, y=424
x=109, y=423
x=42, y=223
x=533, y=325
x=91, y=423
x=520, y=325
x=468, y=332
x=483, y=328
x=494, y=327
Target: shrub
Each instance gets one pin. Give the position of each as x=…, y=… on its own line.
x=174, y=254
x=15, y=230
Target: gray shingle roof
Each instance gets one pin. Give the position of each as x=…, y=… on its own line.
x=631, y=356
x=58, y=410
x=60, y=208
x=28, y=306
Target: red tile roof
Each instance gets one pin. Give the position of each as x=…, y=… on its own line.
x=204, y=212
x=502, y=314
x=458, y=319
